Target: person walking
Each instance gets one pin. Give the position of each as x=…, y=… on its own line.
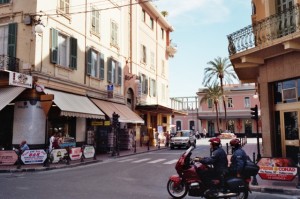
x=23, y=147
x=204, y=132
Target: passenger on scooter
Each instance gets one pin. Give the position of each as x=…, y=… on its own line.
x=238, y=158
x=220, y=164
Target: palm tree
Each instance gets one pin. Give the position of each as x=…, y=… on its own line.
x=164, y=13
x=213, y=93
x=221, y=70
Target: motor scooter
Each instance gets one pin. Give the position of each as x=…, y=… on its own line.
x=190, y=181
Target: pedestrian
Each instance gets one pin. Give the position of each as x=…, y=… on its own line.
x=238, y=158
x=23, y=147
x=52, y=140
x=204, y=132
x=156, y=134
x=197, y=134
x=167, y=135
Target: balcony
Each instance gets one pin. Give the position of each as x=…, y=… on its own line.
x=171, y=49
x=273, y=36
x=9, y=63
x=266, y=31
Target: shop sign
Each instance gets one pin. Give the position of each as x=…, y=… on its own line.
x=277, y=169
x=33, y=156
x=19, y=79
x=100, y=123
x=58, y=154
x=89, y=151
x=8, y=157
x=75, y=153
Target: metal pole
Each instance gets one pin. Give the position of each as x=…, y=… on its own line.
x=254, y=180
x=258, y=147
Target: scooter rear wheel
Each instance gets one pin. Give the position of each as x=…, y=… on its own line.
x=177, y=192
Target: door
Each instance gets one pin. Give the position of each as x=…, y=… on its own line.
x=290, y=134
x=211, y=129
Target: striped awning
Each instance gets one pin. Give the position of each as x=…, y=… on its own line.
x=72, y=105
x=125, y=113
x=8, y=94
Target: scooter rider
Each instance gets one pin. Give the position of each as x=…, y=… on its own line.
x=220, y=164
x=238, y=158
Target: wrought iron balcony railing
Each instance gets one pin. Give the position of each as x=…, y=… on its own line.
x=9, y=63
x=264, y=31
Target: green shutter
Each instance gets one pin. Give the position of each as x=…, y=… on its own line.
x=73, y=53
x=12, y=39
x=4, y=1
x=89, y=62
x=109, y=68
x=54, y=46
x=146, y=85
x=119, y=74
x=101, y=66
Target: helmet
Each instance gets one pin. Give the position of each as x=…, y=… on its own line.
x=235, y=142
x=215, y=141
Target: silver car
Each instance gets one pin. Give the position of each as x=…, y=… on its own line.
x=183, y=138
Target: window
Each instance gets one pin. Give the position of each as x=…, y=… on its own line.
x=4, y=1
x=95, y=21
x=162, y=33
x=163, y=92
x=144, y=82
x=143, y=54
x=230, y=103
x=209, y=103
x=64, y=6
x=3, y=40
x=153, y=88
x=95, y=64
x=143, y=15
x=114, y=72
x=247, y=102
x=151, y=23
x=152, y=57
x=8, y=43
x=63, y=50
x=114, y=34
x=163, y=70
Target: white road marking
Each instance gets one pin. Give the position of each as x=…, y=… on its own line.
x=127, y=160
x=171, y=162
x=141, y=160
x=156, y=161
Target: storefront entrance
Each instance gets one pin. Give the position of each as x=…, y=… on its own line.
x=290, y=133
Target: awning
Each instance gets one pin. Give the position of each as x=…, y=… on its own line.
x=125, y=113
x=156, y=108
x=72, y=105
x=8, y=94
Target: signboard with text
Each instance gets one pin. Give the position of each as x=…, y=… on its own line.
x=19, y=79
x=75, y=153
x=33, y=156
x=88, y=151
x=8, y=157
x=282, y=169
x=58, y=154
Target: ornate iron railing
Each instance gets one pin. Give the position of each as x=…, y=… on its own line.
x=9, y=63
x=264, y=31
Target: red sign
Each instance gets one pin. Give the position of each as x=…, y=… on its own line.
x=277, y=169
x=8, y=157
x=75, y=153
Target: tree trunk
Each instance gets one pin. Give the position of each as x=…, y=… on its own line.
x=217, y=116
x=224, y=103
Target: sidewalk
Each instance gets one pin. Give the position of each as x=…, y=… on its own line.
x=267, y=186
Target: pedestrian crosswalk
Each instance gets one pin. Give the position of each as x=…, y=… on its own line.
x=148, y=161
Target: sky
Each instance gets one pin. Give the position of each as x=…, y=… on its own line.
x=200, y=33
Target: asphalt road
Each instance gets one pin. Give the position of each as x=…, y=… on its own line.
x=141, y=176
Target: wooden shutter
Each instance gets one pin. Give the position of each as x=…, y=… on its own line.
x=73, y=53
x=146, y=85
x=101, y=66
x=109, y=68
x=12, y=39
x=89, y=62
x=119, y=74
x=54, y=46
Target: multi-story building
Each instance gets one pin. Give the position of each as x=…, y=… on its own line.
x=267, y=53
x=239, y=99
x=67, y=66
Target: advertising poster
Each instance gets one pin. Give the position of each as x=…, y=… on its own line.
x=88, y=151
x=75, y=153
x=34, y=156
x=8, y=157
x=282, y=169
x=58, y=154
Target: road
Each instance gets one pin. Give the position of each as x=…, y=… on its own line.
x=141, y=176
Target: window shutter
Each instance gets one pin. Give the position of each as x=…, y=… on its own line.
x=89, y=62
x=54, y=46
x=154, y=88
x=109, y=67
x=101, y=66
x=12, y=39
x=73, y=53
x=146, y=85
x=119, y=74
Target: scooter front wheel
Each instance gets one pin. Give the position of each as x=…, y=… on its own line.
x=177, y=191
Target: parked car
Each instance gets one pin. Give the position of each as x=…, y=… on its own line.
x=183, y=138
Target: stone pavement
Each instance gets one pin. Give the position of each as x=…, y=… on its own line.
x=271, y=186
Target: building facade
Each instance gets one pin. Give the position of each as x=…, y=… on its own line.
x=239, y=99
x=67, y=66
x=267, y=53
